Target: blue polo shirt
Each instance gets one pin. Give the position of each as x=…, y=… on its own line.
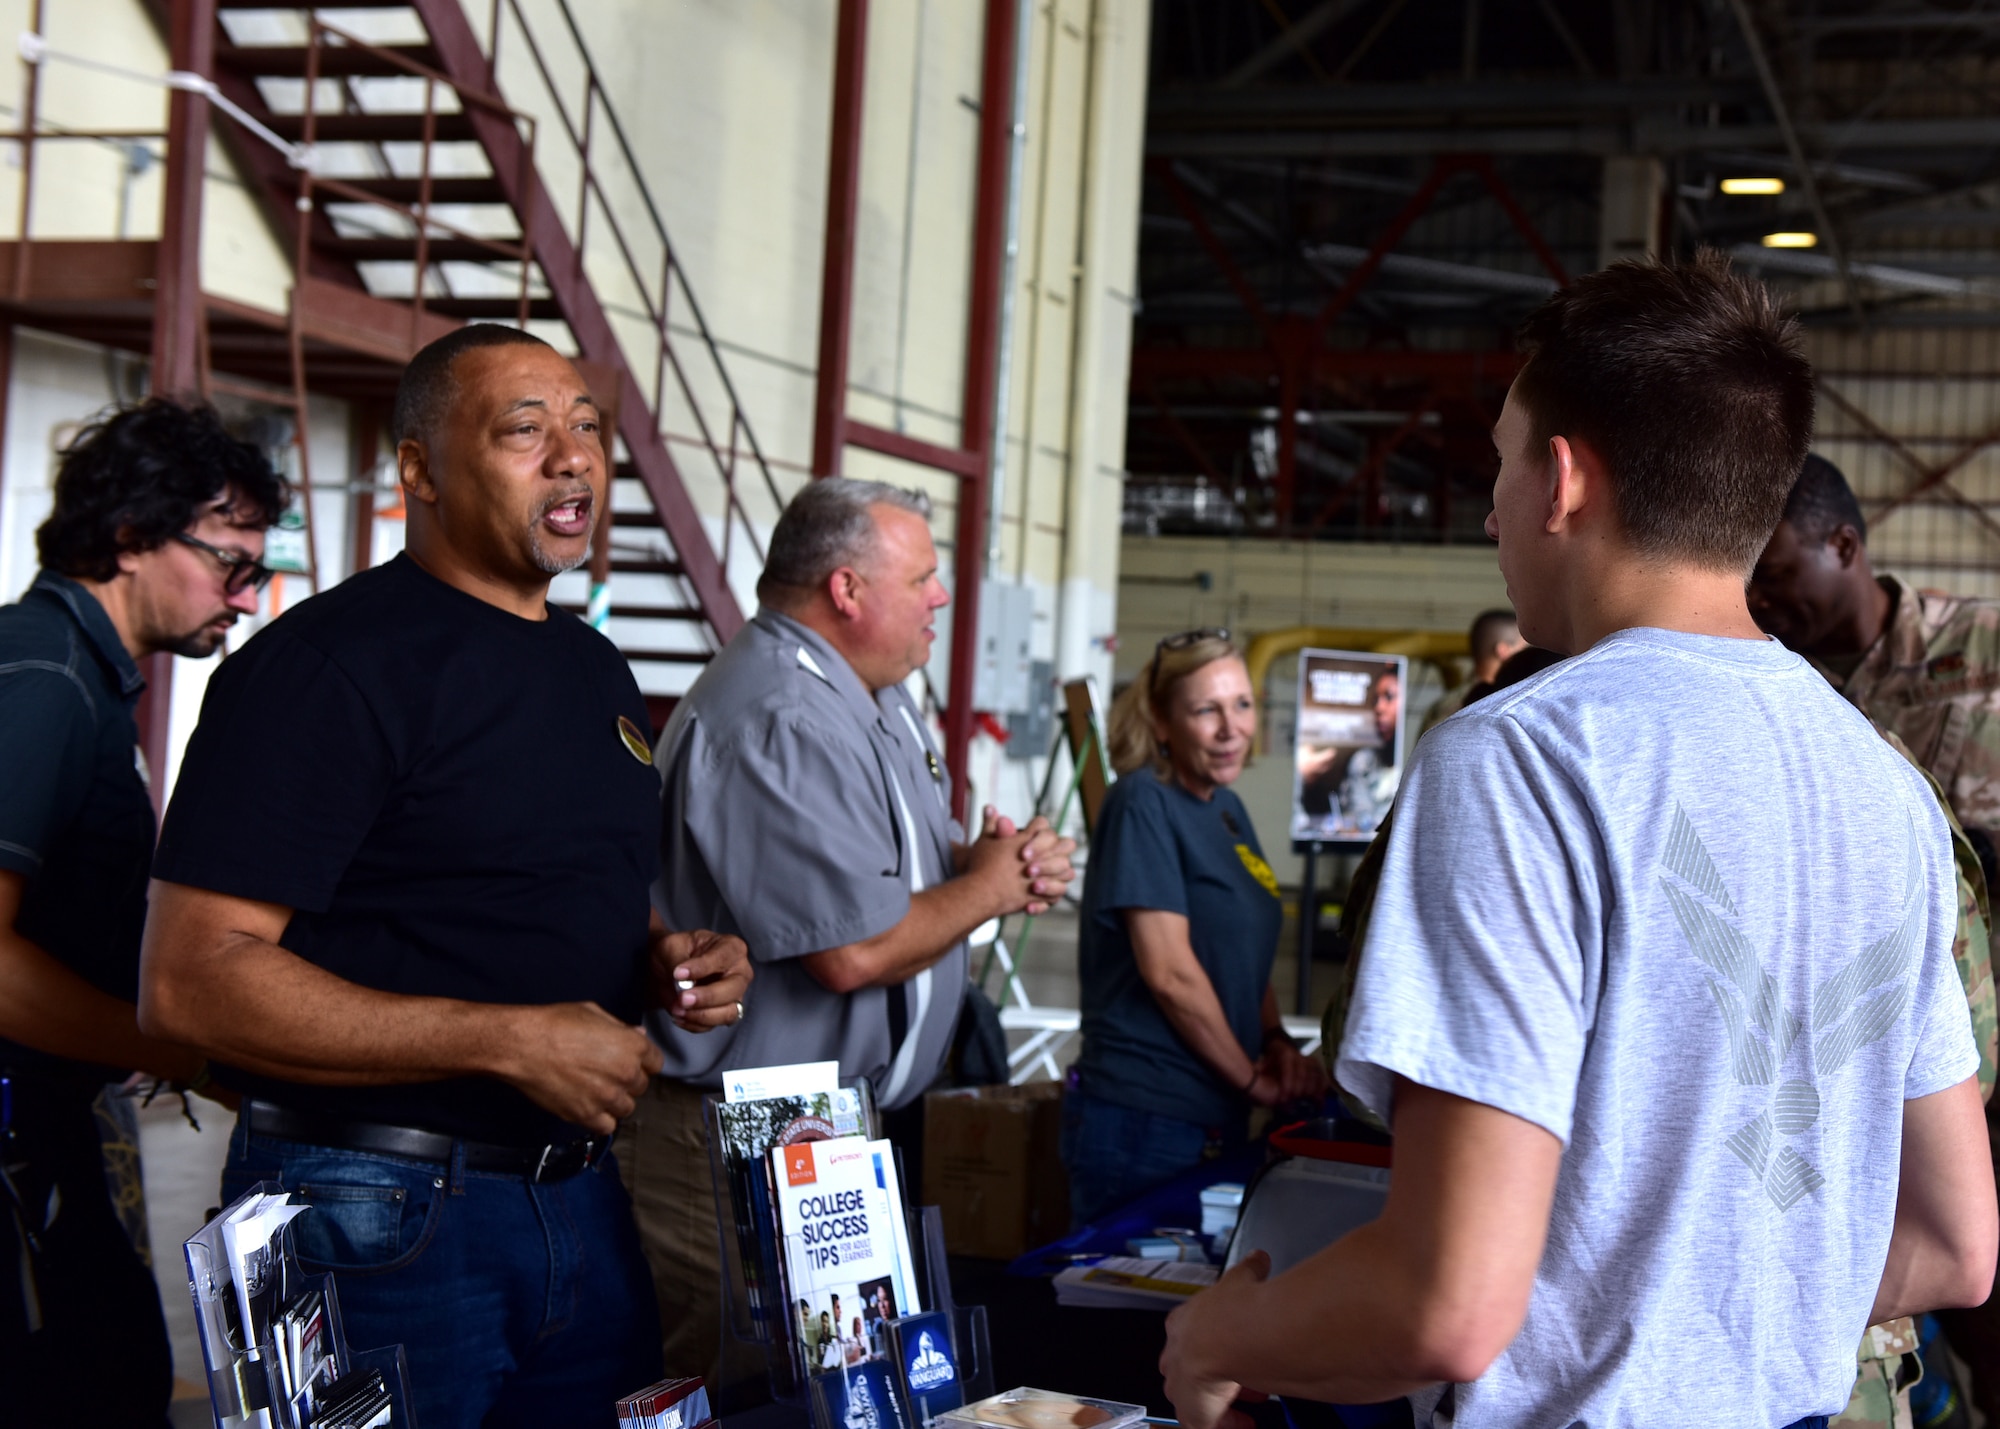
x=1158, y=846
x=75, y=818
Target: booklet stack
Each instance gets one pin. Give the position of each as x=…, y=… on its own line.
x=822, y=1238
x=1120, y=1282
x=271, y=1334
x=670, y=1404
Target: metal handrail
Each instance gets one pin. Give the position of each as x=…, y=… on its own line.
x=419, y=214
x=741, y=435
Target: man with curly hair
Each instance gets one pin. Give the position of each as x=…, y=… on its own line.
x=155, y=545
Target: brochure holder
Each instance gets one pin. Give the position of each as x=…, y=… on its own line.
x=830, y=1401
x=245, y=1387
x=756, y=1311
x=746, y=1219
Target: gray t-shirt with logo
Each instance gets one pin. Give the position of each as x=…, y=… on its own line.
x=1676, y=902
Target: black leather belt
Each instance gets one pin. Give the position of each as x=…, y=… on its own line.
x=554, y=1162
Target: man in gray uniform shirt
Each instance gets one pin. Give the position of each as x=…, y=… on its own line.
x=805, y=810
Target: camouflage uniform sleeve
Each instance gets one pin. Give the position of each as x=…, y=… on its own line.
x=1888, y=1354
x=1354, y=911
x=1889, y=1366
x=1971, y=948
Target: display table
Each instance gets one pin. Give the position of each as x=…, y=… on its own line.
x=1110, y=1353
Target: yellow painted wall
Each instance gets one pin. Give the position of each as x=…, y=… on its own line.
x=1255, y=586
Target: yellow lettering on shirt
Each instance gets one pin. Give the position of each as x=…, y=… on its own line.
x=1259, y=870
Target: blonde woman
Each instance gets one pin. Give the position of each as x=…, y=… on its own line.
x=1181, y=1034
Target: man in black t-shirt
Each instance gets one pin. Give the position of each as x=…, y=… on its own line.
x=402, y=900
x=153, y=545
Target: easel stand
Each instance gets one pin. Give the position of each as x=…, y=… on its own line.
x=1308, y=931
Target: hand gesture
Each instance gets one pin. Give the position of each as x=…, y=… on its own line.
x=578, y=1061
x=1290, y=1075
x=701, y=978
x=1043, y=854
x=1202, y=1398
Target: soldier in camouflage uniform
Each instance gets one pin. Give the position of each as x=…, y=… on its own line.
x=1889, y=1363
x=1921, y=664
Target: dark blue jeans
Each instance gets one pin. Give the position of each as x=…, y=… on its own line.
x=1115, y=1153
x=516, y=1304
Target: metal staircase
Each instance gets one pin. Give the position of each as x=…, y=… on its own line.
x=414, y=199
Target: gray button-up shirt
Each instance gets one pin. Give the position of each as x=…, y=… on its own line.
x=800, y=812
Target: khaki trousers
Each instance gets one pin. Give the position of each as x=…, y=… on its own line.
x=663, y=1159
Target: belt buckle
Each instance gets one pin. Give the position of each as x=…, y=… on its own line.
x=559, y=1163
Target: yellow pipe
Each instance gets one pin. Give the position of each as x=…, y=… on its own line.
x=1417, y=644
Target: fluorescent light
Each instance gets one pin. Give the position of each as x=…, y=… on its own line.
x=1791, y=240
x=1753, y=186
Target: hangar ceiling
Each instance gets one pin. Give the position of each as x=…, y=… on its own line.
x=1350, y=204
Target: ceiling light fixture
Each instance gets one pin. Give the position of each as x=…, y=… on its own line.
x=1753, y=186
x=1791, y=240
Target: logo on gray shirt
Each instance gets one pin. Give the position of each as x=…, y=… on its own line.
x=1857, y=1005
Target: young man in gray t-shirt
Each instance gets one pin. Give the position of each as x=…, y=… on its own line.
x=1691, y=1082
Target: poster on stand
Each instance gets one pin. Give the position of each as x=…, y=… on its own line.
x=1347, y=745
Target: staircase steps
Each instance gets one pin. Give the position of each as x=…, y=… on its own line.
x=669, y=573
x=385, y=128
x=335, y=61
x=641, y=612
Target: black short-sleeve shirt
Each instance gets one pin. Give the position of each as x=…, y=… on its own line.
x=442, y=793
x=75, y=819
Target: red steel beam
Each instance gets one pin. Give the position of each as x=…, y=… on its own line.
x=959, y=462
x=1366, y=479
x=1392, y=235
x=462, y=59
x=177, y=309
x=982, y=367
x=1218, y=252
x=1187, y=440
x=1152, y=364
x=1482, y=165
x=843, y=206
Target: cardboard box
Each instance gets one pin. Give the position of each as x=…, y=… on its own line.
x=992, y=1164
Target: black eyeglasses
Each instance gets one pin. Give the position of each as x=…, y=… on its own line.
x=1181, y=642
x=239, y=572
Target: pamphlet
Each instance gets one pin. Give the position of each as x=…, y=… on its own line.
x=1126, y=1282
x=847, y=1249
x=670, y=1404
x=801, y=1079
x=860, y=1396
x=926, y=1365
x=749, y=1131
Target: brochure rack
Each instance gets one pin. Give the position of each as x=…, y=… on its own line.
x=245, y=1386
x=756, y=1304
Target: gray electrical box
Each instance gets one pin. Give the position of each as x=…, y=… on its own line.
x=1006, y=629
x=1030, y=731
